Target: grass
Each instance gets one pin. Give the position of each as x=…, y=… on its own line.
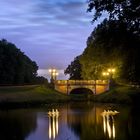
x=30, y=95
x=119, y=94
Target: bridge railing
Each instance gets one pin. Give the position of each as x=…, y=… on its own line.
x=80, y=82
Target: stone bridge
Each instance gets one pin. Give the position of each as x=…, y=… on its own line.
x=66, y=86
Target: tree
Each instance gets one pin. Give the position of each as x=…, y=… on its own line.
x=74, y=69
x=111, y=45
x=125, y=11
x=41, y=80
x=15, y=66
x=100, y=52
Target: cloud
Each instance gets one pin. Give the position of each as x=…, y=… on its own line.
x=51, y=32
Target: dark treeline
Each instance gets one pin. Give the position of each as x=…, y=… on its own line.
x=16, y=67
x=74, y=69
x=112, y=46
x=113, y=43
x=125, y=11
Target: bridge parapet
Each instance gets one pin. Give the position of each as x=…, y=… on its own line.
x=81, y=82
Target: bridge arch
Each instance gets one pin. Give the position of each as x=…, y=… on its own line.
x=81, y=90
x=66, y=86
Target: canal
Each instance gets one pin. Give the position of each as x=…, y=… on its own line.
x=74, y=121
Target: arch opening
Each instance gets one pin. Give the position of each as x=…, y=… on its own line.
x=81, y=91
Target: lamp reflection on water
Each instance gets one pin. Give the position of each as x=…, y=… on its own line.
x=53, y=123
x=108, y=123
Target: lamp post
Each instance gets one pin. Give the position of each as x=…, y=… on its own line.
x=106, y=74
x=54, y=75
x=111, y=72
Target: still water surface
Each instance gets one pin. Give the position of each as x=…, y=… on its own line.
x=77, y=121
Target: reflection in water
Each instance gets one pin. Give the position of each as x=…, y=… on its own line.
x=108, y=123
x=76, y=122
x=85, y=121
x=53, y=123
x=17, y=124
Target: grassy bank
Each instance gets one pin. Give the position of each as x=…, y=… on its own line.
x=24, y=96
x=29, y=96
x=119, y=94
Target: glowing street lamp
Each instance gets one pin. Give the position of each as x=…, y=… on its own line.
x=111, y=72
x=52, y=70
x=105, y=73
x=54, y=74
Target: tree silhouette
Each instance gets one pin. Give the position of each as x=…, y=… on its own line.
x=15, y=66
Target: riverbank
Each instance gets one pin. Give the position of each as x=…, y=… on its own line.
x=120, y=95
x=26, y=96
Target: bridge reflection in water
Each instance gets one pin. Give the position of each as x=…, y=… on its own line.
x=53, y=123
x=108, y=123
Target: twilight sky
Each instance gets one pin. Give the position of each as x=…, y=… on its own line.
x=50, y=32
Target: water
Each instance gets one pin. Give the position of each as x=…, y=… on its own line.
x=76, y=121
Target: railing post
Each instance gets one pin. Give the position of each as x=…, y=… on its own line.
x=95, y=86
x=67, y=87
x=108, y=85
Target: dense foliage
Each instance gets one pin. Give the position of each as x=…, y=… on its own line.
x=125, y=11
x=112, y=45
x=74, y=69
x=15, y=66
x=115, y=42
